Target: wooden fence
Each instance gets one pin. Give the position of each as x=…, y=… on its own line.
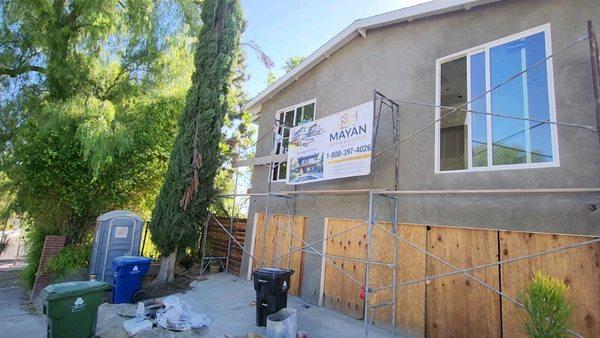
x=456, y=306
x=218, y=241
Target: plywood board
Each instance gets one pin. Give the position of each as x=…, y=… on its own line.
x=458, y=306
x=340, y=293
x=410, y=300
x=579, y=268
x=277, y=242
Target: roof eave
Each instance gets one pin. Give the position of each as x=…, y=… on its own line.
x=358, y=27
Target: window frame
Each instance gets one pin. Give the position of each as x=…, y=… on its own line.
x=276, y=142
x=551, y=101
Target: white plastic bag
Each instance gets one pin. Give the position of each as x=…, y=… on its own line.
x=178, y=316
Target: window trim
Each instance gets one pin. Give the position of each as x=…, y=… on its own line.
x=274, y=149
x=551, y=101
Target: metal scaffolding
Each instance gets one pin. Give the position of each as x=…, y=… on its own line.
x=376, y=198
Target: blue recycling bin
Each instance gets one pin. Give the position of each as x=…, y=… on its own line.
x=127, y=281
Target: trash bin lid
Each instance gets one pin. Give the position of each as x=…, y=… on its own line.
x=274, y=272
x=69, y=289
x=122, y=261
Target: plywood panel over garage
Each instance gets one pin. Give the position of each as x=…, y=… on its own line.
x=410, y=266
x=349, y=250
x=341, y=293
x=458, y=306
x=579, y=268
x=278, y=243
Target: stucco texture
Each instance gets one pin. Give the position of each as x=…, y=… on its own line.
x=400, y=61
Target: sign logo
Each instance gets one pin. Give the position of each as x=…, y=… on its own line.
x=348, y=120
x=285, y=286
x=78, y=305
x=135, y=269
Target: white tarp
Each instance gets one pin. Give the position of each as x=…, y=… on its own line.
x=335, y=146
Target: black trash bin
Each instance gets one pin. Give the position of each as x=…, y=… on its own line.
x=271, y=285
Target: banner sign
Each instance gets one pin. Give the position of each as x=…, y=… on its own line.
x=335, y=146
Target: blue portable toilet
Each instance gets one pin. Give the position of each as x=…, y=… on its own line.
x=118, y=233
x=127, y=282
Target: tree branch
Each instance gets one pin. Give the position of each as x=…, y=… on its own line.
x=14, y=72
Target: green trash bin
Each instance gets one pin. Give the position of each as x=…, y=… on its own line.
x=72, y=308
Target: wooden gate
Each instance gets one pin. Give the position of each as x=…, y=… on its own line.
x=456, y=305
x=278, y=243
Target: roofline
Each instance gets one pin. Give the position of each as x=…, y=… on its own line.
x=359, y=27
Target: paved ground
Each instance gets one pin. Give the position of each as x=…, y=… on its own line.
x=17, y=318
x=229, y=302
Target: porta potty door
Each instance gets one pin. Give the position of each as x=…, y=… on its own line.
x=118, y=233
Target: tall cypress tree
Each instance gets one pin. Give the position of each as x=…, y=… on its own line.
x=182, y=205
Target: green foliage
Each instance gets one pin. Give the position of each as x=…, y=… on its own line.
x=92, y=92
x=548, y=311
x=34, y=243
x=189, y=188
x=68, y=261
x=290, y=64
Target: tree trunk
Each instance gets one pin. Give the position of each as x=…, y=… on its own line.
x=166, y=273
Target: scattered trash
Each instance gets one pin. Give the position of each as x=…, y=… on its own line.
x=140, y=310
x=137, y=325
x=178, y=316
x=302, y=334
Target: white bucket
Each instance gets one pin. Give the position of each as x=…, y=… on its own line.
x=282, y=324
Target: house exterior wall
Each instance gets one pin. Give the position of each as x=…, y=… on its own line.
x=400, y=62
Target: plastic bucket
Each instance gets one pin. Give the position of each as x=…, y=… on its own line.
x=282, y=324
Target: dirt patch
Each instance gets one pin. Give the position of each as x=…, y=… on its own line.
x=180, y=284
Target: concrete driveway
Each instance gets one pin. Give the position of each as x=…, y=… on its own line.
x=17, y=315
x=230, y=302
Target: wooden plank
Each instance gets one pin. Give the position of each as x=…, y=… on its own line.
x=578, y=267
x=296, y=259
x=410, y=263
x=458, y=306
x=278, y=242
x=340, y=293
x=381, y=275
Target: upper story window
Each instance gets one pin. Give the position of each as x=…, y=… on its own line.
x=289, y=118
x=474, y=142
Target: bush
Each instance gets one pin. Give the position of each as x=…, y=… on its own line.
x=69, y=260
x=34, y=244
x=547, y=310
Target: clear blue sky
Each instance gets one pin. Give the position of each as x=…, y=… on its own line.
x=286, y=28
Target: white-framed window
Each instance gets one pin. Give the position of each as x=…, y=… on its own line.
x=471, y=141
x=288, y=118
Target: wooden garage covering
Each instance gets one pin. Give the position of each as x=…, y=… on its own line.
x=456, y=305
x=279, y=242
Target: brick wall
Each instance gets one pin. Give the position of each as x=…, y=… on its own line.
x=52, y=245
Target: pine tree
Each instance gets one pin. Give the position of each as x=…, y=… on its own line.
x=188, y=190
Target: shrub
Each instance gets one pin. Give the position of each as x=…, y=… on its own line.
x=34, y=244
x=69, y=260
x=547, y=310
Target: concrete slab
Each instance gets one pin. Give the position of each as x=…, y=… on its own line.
x=230, y=302
x=17, y=315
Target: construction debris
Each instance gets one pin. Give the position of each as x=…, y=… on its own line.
x=178, y=316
